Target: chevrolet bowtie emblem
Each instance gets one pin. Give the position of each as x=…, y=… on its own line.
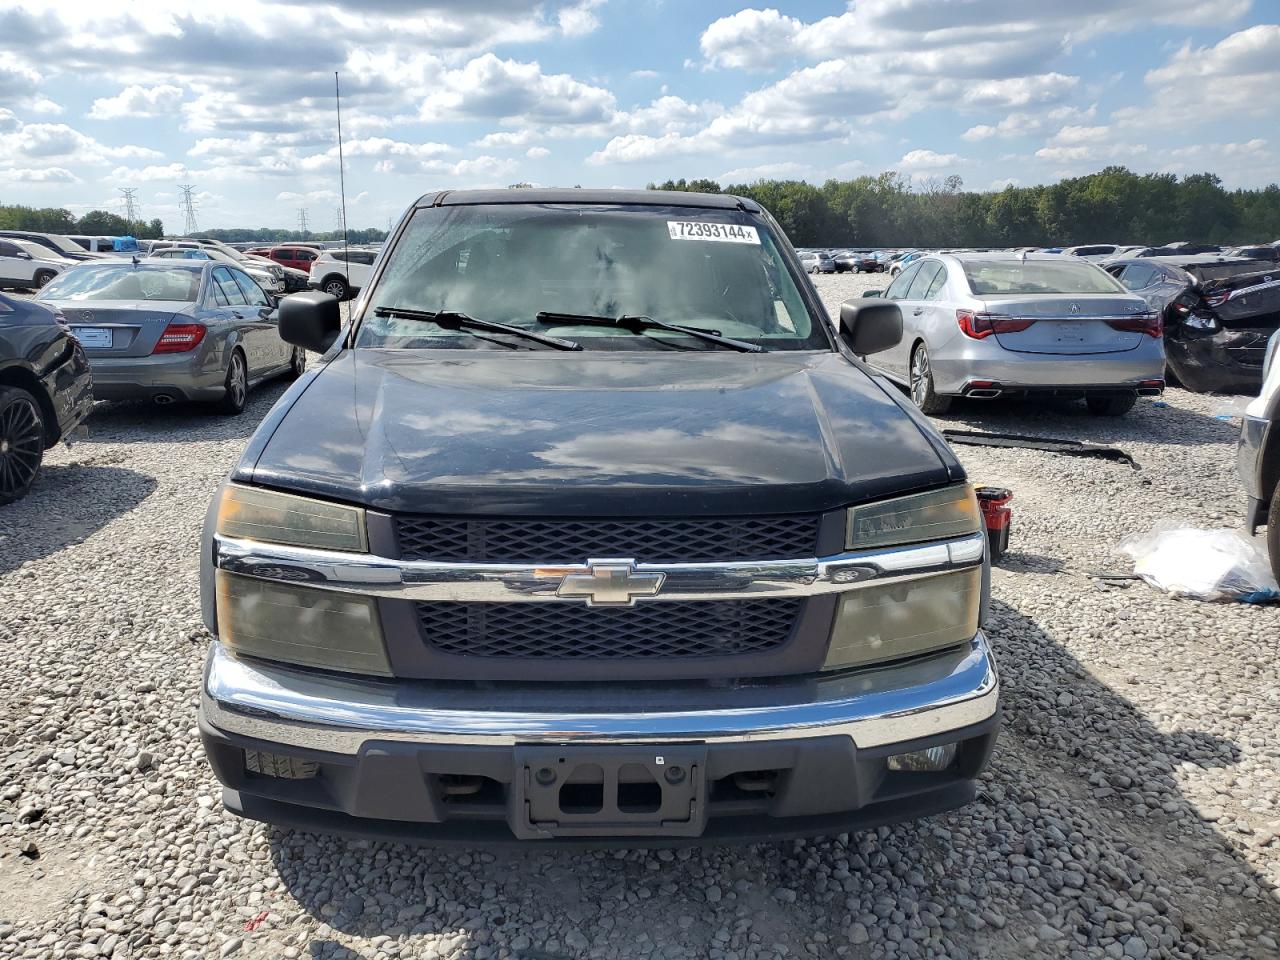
x=610, y=583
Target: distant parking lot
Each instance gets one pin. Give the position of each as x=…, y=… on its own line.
x=1133, y=807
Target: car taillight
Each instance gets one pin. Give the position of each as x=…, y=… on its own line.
x=1148, y=323
x=179, y=338
x=979, y=326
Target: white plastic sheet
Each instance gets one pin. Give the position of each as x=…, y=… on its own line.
x=1203, y=564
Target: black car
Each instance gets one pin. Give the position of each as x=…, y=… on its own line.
x=45, y=390
x=591, y=524
x=1218, y=313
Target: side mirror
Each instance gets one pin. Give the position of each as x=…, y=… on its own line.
x=873, y=293
x=869, y=328
x=310, y=320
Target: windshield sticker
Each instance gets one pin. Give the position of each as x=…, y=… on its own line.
x=717, y=232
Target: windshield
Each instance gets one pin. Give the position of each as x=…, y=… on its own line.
x=126, y=282
x=995, y=277
x=719, y=270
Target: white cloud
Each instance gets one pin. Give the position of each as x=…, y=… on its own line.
x=928, y=160
x=784, y=170
x=168, y=171
x=1019, y=91
x=578, y=20
x=506, y=138
x=644, y=74
x=1237, y=76
x=39, y=175
x=749, y=39
x=138, y=101
x=491, y=88
x=42, y=141
x=1020, y=124
x=537, y=153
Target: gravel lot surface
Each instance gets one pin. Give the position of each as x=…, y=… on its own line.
x=1132, y=809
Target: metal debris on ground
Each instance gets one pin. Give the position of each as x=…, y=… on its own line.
x=1071, y=448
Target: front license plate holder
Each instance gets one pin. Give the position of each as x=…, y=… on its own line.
x=599, y=791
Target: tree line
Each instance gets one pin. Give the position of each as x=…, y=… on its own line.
x=94, y=223
x=105, y=223
x=1113, y=205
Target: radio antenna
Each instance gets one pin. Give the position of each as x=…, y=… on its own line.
x=342, y=179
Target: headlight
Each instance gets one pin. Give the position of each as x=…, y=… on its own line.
x=247, y=513
x=306, y=626
x=879, y=623
x=937, y=515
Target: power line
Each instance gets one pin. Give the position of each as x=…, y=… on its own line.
x=188, y=207
x=130, y=195
x=302, y=222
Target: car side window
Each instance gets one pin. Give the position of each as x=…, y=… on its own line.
x=225, y=283
x=306, y=256
x=923, y=280
x=7, y=249
x=252, y=292
x=1138, y=275
x=939, y=281
x=898, y=289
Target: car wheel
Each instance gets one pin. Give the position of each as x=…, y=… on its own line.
x=335, y=287
x=237, y=385
x=1110, y=406
x=297, y=363
x=922, y=392
x=43, y=277
x=21, y=443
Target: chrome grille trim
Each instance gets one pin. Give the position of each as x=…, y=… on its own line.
x=528, y=583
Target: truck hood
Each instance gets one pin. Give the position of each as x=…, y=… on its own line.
x=596, y=434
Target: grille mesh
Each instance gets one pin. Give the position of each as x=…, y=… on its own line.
x=547, y=541
x=570, y=631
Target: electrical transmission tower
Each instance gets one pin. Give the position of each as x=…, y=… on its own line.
x=130, y=195
x=337, y=219
x=302, y=222
x=188, y=207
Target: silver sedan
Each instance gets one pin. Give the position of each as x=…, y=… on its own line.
x=991, y=324
x=169, y=330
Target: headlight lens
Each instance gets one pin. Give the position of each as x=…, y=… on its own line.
x=936, y=515
x=306, y=626
x=248, y=513
x=878, y=623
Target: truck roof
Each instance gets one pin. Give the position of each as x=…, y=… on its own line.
x=659, y=198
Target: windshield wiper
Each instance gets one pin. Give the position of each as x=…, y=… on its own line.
x=637, y=324
x=453, y=320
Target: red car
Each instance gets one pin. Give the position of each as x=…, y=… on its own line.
x=297, y=257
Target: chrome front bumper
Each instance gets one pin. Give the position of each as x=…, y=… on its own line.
x=875, y=707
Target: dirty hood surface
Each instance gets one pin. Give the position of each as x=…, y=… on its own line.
x=536, y=433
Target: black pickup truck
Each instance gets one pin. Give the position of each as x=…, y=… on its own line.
x=592, y=525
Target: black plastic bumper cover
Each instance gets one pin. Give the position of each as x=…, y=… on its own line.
x=402, y=791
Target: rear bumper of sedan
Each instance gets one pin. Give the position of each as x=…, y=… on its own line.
x=164, y=377
x=957, y=368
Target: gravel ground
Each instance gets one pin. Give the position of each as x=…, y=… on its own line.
x=1132, y=809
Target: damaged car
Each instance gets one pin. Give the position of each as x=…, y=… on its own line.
x=1259, y=455
x=1218, y=314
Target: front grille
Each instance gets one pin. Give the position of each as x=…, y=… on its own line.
x=570, y=631
x=701, y=540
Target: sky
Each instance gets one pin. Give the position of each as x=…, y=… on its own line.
x=236, y=96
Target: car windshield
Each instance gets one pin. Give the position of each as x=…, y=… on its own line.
x=995, y=277
x=125, y=282
x=719, y=270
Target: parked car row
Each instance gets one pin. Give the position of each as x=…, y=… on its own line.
x=164, y=329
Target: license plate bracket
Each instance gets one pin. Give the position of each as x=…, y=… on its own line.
x=593, y=791
x=93, y=336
